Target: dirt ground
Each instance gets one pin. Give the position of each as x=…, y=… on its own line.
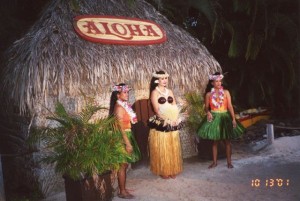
x=268, y=172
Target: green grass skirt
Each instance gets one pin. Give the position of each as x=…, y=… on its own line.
x=136, y=153
x=220, y=128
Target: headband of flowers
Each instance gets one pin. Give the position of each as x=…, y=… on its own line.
x=160, y=75
x=123, y=88
x=216, y=77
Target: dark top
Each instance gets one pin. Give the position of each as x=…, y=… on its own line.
x=162, y=100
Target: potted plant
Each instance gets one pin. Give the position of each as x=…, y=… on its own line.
x=195, y=114
x=83, y=151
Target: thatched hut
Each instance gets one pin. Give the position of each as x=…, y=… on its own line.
x=52, y=62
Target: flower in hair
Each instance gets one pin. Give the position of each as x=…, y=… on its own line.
x=118, y=88
x=160, y=75
x=216, y=77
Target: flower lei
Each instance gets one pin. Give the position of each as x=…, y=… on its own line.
x=216, y=77
x=215, y=101
x=165, y=94
x=120, y=88
x=160, y=75
x=129, y=110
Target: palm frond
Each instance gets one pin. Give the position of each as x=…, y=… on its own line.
x=79, y=147
x=210, y=10
x=195, y=109
x=254, y=44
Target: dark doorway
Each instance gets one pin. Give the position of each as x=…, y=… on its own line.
x=140, y=130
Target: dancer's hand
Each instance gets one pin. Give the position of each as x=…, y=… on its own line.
x=129, y=148
x=234, y=123
x=209, y=117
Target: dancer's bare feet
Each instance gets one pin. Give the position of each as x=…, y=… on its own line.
x=164, y=177
x=173, y=176
x=212, y=165
x=126, y=195
x=229, y=165
x=129, y=190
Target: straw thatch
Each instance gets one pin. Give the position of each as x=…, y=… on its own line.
x=51, y=60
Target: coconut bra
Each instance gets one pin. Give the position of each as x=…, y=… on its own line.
x=164, y=123
x=163, y=100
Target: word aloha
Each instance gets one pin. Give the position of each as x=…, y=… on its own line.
x=118, y=30
x=124, y=31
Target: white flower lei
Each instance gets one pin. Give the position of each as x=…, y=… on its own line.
x=129, y=110
x=160, y=75
x=216, y=77
x=221, y=94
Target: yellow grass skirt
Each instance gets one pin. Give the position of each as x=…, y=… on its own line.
x=165, y=152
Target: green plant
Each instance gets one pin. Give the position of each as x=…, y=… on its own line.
x=78, y=146
x=195, y=110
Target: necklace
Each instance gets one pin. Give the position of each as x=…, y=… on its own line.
x=165, y=94
x=217, y=100
x=129, y=110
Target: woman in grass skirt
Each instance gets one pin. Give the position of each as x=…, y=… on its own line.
x=220, y=123
x=125, y=116
x=164, y=141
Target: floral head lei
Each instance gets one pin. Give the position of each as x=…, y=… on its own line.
x=123, y=88
x=216, y=77
x=159, y=76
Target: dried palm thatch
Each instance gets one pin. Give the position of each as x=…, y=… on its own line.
x=52, y=60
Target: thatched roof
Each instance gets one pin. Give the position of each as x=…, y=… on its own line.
x=52, y=60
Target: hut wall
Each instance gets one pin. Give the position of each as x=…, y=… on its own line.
x=20, y=169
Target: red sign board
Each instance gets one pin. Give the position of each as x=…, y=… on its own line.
x=119, y=30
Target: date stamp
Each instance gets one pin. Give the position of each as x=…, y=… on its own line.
x=270, y=182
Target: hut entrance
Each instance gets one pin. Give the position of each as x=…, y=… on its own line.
x=143, y=110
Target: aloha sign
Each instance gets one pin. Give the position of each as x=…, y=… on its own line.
x=119, y=30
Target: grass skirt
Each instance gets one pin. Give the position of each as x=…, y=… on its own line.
x=165, y=152
x=220, y=128
x=136, y=154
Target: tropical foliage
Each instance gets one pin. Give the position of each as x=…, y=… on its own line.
x=195, y=110
x=79, y=147
x=256, y=42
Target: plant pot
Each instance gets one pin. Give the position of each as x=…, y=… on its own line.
x=88, y=189
x=205, y=149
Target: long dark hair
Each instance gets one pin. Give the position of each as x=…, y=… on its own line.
x=153, y=85
x=113, y=99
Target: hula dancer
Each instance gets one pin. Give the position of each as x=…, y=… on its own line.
x=220, y=123
x=125, y=116
x=164, y=141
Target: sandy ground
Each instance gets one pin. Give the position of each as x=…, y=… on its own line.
x=281, y=160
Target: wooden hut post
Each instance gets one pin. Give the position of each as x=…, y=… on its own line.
x=270, y=133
